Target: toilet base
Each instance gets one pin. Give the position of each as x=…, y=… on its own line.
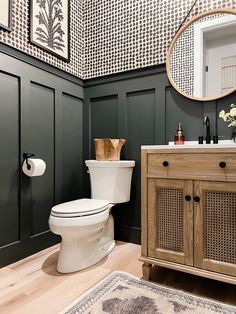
x=85, y=240
x=68, y=263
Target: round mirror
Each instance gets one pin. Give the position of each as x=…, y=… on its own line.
x=201, y=61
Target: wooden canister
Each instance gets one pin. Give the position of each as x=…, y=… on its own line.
x=108, y=149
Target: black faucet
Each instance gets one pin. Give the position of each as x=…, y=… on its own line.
x=207, y=124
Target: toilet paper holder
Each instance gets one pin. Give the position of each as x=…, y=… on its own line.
x=26, y=156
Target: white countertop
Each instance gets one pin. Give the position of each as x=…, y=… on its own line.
x=192, y=144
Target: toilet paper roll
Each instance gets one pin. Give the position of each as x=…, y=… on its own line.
x=37, y=167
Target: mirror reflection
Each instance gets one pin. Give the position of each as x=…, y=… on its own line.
x=202, y=58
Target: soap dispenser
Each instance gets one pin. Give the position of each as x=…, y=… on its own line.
x=179, y=135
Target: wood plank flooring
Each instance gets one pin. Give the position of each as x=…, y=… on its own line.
x=33, y=285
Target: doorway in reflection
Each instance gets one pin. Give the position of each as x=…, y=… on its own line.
x=215, y=56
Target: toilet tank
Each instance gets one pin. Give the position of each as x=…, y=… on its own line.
x=110, y=180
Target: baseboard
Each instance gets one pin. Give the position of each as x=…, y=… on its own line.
x=128, y=234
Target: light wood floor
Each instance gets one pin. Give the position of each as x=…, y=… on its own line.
x=34, y=286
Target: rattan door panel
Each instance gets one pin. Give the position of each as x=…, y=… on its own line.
x=215, y=227
x=170, y=220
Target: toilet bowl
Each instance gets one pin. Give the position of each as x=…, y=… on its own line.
x=86, y=226
x=81, y=224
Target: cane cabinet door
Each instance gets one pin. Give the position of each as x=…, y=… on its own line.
x=215, y=226
x=170, y=220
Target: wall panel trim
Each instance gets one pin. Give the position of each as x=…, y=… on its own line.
x=39, y=64
x=43, y=107
x=161, y=68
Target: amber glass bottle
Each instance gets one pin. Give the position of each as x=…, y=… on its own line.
x=179, y=135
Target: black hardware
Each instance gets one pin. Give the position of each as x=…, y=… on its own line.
x=222, y=164
x=208, y=140
x=206, y=122
x=200, y=139
x=165, y=163
x=196, y=199
x=215, y=139
x=188, y=198
x=26, y=156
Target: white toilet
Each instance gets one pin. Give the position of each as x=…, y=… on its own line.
x=86, y=225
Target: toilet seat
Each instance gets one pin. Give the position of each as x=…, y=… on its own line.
x=78, y=208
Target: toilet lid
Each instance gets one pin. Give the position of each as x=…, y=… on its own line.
x=81, y=207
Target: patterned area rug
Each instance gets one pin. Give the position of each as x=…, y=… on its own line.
x=121, y=293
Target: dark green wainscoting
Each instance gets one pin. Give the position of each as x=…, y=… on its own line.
x=40, y=113
x=142, y=107
x=43, y=111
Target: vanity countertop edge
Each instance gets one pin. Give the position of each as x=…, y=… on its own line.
x=206, y=148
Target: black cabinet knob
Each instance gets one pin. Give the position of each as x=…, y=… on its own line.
x=165, y=163
x=222, y=164
x=196, y=199
x=188, y=198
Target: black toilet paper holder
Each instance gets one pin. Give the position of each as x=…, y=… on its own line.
x=26, y=156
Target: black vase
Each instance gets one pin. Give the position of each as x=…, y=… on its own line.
x=234, y=135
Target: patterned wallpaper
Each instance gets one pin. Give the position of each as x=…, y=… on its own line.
x=129, y=34
x=110, y=36
x=19, y=37
x=182, y=60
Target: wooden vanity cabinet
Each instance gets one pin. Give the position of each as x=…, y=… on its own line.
x=189, y=216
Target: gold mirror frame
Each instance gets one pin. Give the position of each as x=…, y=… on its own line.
x=172, y=45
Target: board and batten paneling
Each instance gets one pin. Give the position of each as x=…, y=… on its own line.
x=72, y=142
x=40, y=126
x=9, y=161
x=187, y=111
x=104, y=111
x=140, y=114
x=45, y=114
x=148, y=112
x=40, y=113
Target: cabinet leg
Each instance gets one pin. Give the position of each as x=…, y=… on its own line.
x=146, y=271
